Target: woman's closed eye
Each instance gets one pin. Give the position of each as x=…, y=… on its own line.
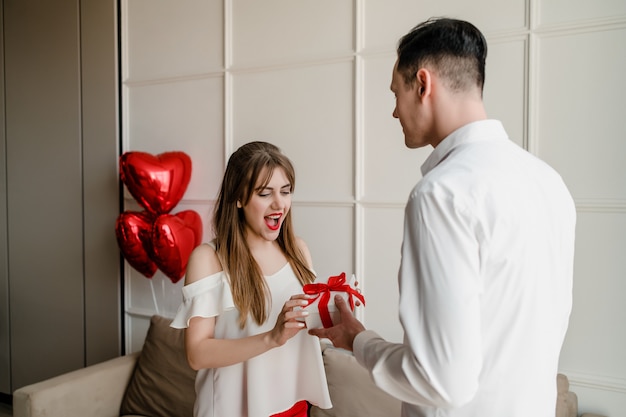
x=266, y=192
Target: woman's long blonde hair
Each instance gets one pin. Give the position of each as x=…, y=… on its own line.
x=248, y=286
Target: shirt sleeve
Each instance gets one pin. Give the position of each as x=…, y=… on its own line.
x=440, y=360
x=208, y=297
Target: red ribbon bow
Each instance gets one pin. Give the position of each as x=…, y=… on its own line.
x=322, y=291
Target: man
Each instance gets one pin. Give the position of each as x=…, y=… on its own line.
x=487, y=255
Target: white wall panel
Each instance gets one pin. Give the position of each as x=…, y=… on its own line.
x=560, y=12
x=140, y=327
x=599, y=399
x=599, y=286
x=382, y=239
x=172, y=38
x=308, y=113
x=580, y=109
x=595, y=344
x=505, y=86
x=329, y=234
x=187, y=116
x=385, y=22
x=275, y=31
x=390, y=169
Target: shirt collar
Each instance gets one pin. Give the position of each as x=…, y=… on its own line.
x=472, y=132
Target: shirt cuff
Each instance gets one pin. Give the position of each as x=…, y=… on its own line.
x=360, y=342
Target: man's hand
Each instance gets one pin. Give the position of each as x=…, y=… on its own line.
x=343, y=333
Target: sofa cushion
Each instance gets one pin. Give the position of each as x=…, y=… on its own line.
x=352, y=390
x=566, y=400
x=162, y=382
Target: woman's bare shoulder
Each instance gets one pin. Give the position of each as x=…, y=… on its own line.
x=203, y=262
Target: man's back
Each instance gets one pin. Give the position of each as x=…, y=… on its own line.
x=498, y=301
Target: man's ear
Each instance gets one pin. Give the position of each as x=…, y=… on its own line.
x=423, y=80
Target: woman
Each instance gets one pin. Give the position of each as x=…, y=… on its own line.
x=242, y=296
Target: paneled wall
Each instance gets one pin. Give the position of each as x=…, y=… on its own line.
x=205, y=76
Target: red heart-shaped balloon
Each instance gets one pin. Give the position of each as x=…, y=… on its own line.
x=133, y=231
x=173, y=239
x=156, y=182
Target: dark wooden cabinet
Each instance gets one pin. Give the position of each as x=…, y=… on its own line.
x=59, y=262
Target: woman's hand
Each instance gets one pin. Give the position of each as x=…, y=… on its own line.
x=290, y=320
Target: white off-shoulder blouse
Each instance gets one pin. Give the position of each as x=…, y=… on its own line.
x=266, y=384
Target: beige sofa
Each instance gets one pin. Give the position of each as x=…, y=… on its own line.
x=157, y=382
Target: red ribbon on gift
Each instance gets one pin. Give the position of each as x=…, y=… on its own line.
x=322, y=291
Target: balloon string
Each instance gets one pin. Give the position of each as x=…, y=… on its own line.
x=163, y=293
x=154, y=300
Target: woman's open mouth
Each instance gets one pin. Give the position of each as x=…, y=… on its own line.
x=273, y=221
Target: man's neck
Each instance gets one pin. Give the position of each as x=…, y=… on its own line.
x=457, y=111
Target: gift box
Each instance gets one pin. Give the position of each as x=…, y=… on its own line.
x=321, y=308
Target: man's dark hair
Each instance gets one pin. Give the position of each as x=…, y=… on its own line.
x=454, y=49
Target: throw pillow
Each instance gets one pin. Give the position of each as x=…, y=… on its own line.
x=352, y=390
x=163, y=384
